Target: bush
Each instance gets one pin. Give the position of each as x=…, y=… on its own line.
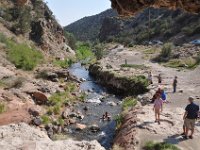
x=134, y=66
x=45, y=119
x=98, y=51
x=166, y=50
x=128, y=103
x=84, y=52
x=159, y=146
x=71, y=40
x=63, y=63
x=119, y=119
x=2, y=108
x=22, y=56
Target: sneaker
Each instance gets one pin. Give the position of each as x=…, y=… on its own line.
x=183, y=134
x=159, y=122
x=185, y=137
x=191, y=137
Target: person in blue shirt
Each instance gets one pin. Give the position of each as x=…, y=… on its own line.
x=163, y=96
x=190, y=117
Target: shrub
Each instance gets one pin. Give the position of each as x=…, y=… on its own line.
x=119, y=119
x=71, y=40
x=166, y=50
x=134, y=66
x=2, y=108
x=84, y=52
x=128, y=103
x=63, y=63
x=57, y=109
x=45, y=119
x=22, y=56
x=3, y=38
x=98, y=51
x=159, y=146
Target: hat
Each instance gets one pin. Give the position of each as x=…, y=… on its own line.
x=191, y=98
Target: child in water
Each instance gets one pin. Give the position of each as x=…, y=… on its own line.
x=158, y=107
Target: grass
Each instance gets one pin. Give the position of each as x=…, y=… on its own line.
x=128, y=103
x=84, y=52
x=185, y=63
x=45, y=119
x=119, y=119
x=63, y=63
x=135, y=66
x=2, y=108
x=159, y=146
x=11, y=83
x=21, y=55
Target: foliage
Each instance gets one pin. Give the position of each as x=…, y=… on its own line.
x=11, y=83
x=71, y=39
x=22, y=56
x=159, y=146
x=135, y=66
x=166, y=50
x=99, y=51
x=119, y=119
x=63, y=63
x=84, y=52
x=128, y=103
x=2, y=108
x=45, y=119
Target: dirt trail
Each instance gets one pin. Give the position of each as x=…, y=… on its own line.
x=171, y=126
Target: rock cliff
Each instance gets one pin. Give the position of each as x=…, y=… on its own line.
x=33, y=20
x=130, y=7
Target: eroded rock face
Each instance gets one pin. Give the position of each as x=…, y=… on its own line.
x=26, y=137
x=130, y=7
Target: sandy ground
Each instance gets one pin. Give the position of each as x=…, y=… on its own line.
x=171, y=126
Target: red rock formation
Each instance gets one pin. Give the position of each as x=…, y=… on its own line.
x=130, y=7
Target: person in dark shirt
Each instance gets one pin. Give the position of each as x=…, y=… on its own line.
x=175, y=84
x=190, y=116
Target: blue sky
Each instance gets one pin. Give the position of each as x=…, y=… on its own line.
x=68, y=11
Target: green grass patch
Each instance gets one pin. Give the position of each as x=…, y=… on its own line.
x=84, y=52
x=159, y=146
x=2, y=108
x=45, y=119
x=63, y=63
x=21, y=55
x=119, y=119
x=128, y=103
x=135, y=66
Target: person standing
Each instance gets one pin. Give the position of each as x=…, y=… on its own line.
x=190, y=116
x=150, y=78
x=159, y=79
x=175, y=84
x=158, y=107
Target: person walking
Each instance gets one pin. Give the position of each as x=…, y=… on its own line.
x=158, y=107
x=150, y=78
x=175, y=84
x=190, y=117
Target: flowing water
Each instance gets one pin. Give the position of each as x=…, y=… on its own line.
x=98, y=102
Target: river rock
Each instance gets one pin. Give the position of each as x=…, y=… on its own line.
x=79, y=126
x=37, y=121
x=40, y=98
x=94, y=128
x=94, y=100
x=111, y=103
x=66, y=113
x=72, y=121
x=82, y=79
x=34, y=112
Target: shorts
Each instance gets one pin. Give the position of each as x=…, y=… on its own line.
x=189, y=123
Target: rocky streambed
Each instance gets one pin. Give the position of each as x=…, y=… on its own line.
x=98, y=101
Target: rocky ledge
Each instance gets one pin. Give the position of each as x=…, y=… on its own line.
x=121, y=85
x=26, y=137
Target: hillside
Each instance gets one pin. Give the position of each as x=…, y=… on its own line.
x=165, y=25
x=88, y=28
x=34, y=22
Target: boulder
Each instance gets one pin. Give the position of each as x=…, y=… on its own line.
x=79, y=126
x=111, y=103
x=37, y=121
x=94, y=128
x=40, y=98
x=66, y=113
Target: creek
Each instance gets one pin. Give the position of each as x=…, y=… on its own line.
x=98, y=101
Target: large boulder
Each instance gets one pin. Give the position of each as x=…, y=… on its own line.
x=26, y=137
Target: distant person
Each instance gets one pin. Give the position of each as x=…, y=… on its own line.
x=190, y=117
x=158, y=107
x=159, y=79
x=163, y=96
x=150, y=78
x=175, y=84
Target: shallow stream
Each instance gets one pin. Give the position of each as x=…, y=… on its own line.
x=98, y=102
